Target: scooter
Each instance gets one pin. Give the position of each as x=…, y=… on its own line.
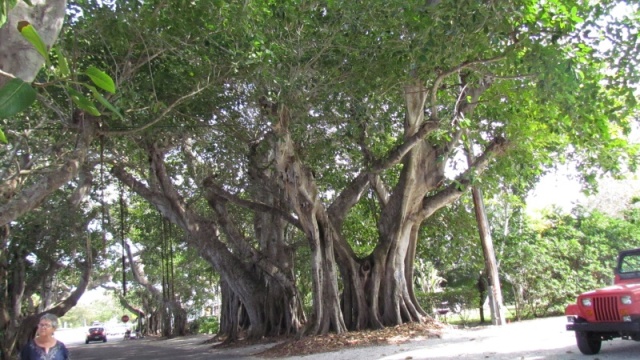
x=127, y=335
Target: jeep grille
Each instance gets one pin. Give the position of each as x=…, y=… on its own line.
x=606, y=308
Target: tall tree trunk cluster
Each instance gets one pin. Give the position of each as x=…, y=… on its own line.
x=378, y=289
x=259, y=291
x=260, y=296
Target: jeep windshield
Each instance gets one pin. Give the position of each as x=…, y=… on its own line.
x=629, y=266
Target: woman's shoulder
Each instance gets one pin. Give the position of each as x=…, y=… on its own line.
x=61, y=345
x=62, y=349
x=31, y=343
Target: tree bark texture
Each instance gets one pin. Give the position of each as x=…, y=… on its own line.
x=273, y=259
x=17, y=56
x=302, y=195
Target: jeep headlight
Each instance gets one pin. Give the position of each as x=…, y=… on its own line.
x=586, y=302
x=626, y=299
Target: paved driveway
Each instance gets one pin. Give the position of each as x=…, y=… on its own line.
x=528, y=340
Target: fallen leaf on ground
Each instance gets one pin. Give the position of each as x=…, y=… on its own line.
x=333, y=342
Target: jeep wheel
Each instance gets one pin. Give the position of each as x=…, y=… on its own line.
x=588, y=344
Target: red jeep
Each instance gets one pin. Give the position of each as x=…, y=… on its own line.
x=610, y=312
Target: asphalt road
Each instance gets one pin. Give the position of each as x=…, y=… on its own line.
x=542, y=339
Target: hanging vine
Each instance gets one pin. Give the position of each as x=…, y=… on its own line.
x=123, y=210
x=171, y=273
x=163, y=262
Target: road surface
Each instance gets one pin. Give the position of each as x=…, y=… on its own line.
x=542, y=339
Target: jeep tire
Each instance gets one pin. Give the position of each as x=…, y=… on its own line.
x=587, y=343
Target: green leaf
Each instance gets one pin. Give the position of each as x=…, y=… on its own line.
x=101, y=79
x=29, y=32
x=3, y=137
x=83, y=102
x=15, y=96
x=5, y=6
x=63, y=65
x=104, y=101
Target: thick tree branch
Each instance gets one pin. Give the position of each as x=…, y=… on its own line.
x=31, y=197
x=348, y=197
x=202, y=233
x=395, y=156
x=431, y=204
x=139, y=275
x=156, y=198
x=381, y=189
x=213, y=191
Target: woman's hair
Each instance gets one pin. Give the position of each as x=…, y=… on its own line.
x=50, y=318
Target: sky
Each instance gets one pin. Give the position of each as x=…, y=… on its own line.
x=557, y=188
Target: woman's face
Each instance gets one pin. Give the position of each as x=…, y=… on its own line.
x=45, y=328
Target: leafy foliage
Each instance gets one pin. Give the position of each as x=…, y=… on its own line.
x=206, y=325
x=574, y=253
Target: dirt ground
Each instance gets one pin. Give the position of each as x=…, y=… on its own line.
x=333, y=342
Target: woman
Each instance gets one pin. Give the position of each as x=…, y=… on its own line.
x=44, y=346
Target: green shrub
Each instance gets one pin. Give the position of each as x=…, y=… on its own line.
x=205, y=325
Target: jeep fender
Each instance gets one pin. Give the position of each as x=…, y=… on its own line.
x=572, y=310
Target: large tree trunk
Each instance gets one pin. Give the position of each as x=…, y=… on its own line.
x=283, y=310
x=233, y=317
x=300, y=190
x=274, y=258
x=399, y=222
